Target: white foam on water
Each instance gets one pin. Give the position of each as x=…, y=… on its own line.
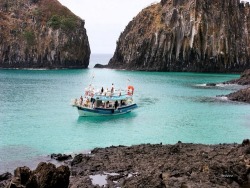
x=223, y=98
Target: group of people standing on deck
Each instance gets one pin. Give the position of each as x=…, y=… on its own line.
x=112, y=90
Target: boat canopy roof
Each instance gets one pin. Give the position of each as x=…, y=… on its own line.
x=111, y=98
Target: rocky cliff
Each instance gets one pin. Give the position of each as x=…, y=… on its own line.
x=191, y=35
x=41, y=34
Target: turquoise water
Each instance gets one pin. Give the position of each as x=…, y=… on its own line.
x=36, y=118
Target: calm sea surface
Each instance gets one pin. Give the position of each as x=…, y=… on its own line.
x=36, y=118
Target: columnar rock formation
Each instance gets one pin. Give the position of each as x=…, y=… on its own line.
x=191, y=35
x=41, y=34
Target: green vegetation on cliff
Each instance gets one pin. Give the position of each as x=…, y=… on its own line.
x=62, y=22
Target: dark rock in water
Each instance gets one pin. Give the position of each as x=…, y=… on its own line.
x=242, y=95
x=60, y=157
x=100, y=66
x=182, y=36
x=243, y=80
x=45, y=176
x=41, y=34
x=211, y=84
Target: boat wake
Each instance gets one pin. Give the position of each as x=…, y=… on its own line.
x=146, y=101
x=216, y=99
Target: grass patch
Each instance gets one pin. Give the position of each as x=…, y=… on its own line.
x=65, y=23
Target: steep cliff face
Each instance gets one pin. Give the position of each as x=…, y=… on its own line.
x=191, y=35
x=41, y=34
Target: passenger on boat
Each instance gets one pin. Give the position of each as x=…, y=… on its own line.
x=87, y=102
x=122, y=102
x=102, y=90
x=116, y=104
x=112, y=88
x=81, y=99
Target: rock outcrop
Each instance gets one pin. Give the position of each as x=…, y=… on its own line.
x=46, y=175
x=243, y=80
x=179, y=165
x=145, y=165
x=242, y=95
x=41, y=34
x=197, y=36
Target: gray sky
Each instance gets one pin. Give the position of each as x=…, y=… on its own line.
x=105, y=19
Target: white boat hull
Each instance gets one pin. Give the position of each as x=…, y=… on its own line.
x=88, y=114
x=83, y=111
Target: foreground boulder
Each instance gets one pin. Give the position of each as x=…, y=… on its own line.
x=41, y=34
x=190, y=35
x=45, y=176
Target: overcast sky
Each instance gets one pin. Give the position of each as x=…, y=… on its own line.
x=105, y=19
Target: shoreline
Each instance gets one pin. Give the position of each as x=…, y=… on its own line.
x=158, y=165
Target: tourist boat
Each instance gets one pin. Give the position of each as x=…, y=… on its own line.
x=103, y=103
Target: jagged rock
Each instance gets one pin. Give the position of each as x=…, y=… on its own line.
x=5, y=176
x=157, y=165
x=60, y=157
x=247, y=151
x=50, y=176
x=242, y=95
x=5, y=179
x=147, y=165
x=243, y=80
x=41, y=34
x=23, y=174
x=77, y=159
x=197, y=36
x=45, y=176
x=245, y=142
